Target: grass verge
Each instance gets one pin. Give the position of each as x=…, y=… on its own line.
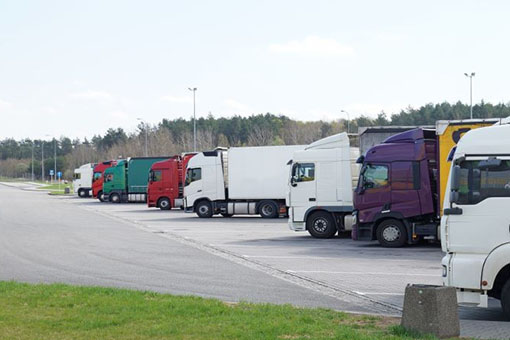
x=69, y=312
x=56, y=189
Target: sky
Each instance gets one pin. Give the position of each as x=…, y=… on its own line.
x=76, y=68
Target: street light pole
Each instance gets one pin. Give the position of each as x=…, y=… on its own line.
x=42, y=160
x=33, y=178
x=348, y=121
x=55, y=159
x=194, y=89
x=470, y=76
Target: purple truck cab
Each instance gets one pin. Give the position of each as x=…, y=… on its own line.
x=395, y=201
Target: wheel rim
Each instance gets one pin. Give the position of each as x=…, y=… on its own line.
x=320, y=225
x=391, y=233
x=267, y=209
x=115, y=198
x=163, y=204
x=203, y=209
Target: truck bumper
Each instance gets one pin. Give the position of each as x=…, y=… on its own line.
x=362, y=232
x=296, y=226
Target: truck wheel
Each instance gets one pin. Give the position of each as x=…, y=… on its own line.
x=391, y=233
x=115, y=198
x=82, y=193
x=100, y=196
x=268, y=209
x=320, y=224
x=204, y=209
x=505, y=299
x=164, y=203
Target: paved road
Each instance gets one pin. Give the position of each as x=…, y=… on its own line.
x=243, y=258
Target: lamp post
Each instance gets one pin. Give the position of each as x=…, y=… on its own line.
x=42, y=160
x=55, y=158
x=470, y=76
x=33, y=178
x=194, y=89
x=348, y=121
x=146, y=135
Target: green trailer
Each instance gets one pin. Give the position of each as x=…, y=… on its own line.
x=127, y=181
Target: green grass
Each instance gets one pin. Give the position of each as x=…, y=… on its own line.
x=70, y=312
x=56, y=189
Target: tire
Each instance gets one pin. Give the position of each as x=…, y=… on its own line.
x=505, y=299
x=392, y=233
x=82, y=193
x=100, y=196
x=164, y=203
x=226, y=215
x=115, y=198
x=268, y=209
x=204, y=209
x=320, y=224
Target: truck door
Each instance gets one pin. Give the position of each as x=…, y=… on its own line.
x=405, y=183
x=478, y=220
x=373, y=194
x=302, y=189
x=194, y=185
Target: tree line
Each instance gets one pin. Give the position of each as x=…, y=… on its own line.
x=172, y=136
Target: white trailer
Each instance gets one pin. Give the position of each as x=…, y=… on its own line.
x=322, y=178
x=475, y=231
x=246, y=180
x=82, y=182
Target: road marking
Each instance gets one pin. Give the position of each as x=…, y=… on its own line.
x=375, y=293
x=359, y=273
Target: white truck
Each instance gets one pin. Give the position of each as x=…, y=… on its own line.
x=241, y=180
x=475, y=227
x=322, y=178
x=82, y=180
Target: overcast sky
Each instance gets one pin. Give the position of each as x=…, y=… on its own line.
x=76, y=68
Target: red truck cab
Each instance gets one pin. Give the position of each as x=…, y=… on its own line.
x=97, y=179
x=166, y=182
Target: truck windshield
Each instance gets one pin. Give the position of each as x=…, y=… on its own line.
x=481, y=179
x=108, y=178
x=373, y=176
x=97, y=175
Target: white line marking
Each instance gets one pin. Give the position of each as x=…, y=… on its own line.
x=359, y=273
x=375, y=293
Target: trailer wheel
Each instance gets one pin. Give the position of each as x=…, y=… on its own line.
x=391, y=233
x=204, y=209
x=115, y=198
x=100, y=196
x=82, y=193
x=320, y=224
x=164, y=203
x=505, y=299
x=268, y=209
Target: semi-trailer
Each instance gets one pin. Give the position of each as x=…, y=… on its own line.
x=402, y=184
x=166, y=182
x=82, y=180
x=127, y=181
x=98, y=179
x=320, y=187
x=240, y=180
x=475, y=223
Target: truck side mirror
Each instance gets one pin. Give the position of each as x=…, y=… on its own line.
x=293, y=181
x=455, y=185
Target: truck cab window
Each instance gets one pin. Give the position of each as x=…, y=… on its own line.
x=193, y=175
x=155, y=176
x=303, y=172
x=374, y=176
x=482, y=179
x=97, y=175
x=77, y=176
x=108, y=178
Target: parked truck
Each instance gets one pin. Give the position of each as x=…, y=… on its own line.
x=320, y=187
x=244, y=180
x=475, y=231
x=127, y=181
x=82, y=180
x=402, y=184
x=98, y=179
x=166, y=182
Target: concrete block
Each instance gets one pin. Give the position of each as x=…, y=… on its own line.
x=431, y=309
